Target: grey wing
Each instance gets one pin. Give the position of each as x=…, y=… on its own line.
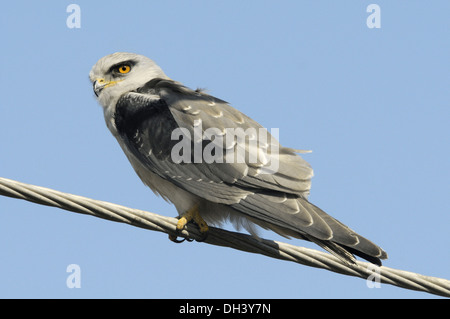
x=275, y=198
x=145, y=125
x=250, y=157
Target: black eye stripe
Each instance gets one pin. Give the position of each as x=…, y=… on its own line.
x=116, y=66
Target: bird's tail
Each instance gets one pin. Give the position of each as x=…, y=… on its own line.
x=345, y=242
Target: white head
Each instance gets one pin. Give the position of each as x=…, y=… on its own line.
x=121, y=72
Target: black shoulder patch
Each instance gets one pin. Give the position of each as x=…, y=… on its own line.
x=132, y=109
x=145, y=123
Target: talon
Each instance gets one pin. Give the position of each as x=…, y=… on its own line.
x=175, y=239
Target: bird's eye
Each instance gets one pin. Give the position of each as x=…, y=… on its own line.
x=123, y=69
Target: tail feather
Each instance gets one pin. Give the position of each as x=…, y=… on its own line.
x=294, y=216
x=334, y=249
x=346, y=242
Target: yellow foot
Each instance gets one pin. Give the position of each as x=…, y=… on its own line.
x=192, y=214
x=189, y=215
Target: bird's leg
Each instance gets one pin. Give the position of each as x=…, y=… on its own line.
x=191, y=214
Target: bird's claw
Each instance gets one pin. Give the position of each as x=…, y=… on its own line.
x=175, y=239
x=192, y=215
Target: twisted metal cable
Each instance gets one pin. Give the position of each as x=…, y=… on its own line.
x=220, y=237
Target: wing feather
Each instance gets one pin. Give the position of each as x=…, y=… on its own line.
x=277, y=200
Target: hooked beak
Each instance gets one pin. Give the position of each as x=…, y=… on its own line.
x=100, y=84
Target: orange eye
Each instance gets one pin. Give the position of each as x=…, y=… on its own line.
x=124, y=69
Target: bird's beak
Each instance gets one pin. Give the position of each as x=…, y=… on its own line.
x=100, y=84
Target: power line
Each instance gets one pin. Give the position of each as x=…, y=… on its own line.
x=220, y=237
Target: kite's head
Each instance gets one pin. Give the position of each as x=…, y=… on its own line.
x=121, y=72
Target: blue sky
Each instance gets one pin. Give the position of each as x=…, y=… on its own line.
x=372, y=104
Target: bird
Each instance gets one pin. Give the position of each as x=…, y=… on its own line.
x=187, y=146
